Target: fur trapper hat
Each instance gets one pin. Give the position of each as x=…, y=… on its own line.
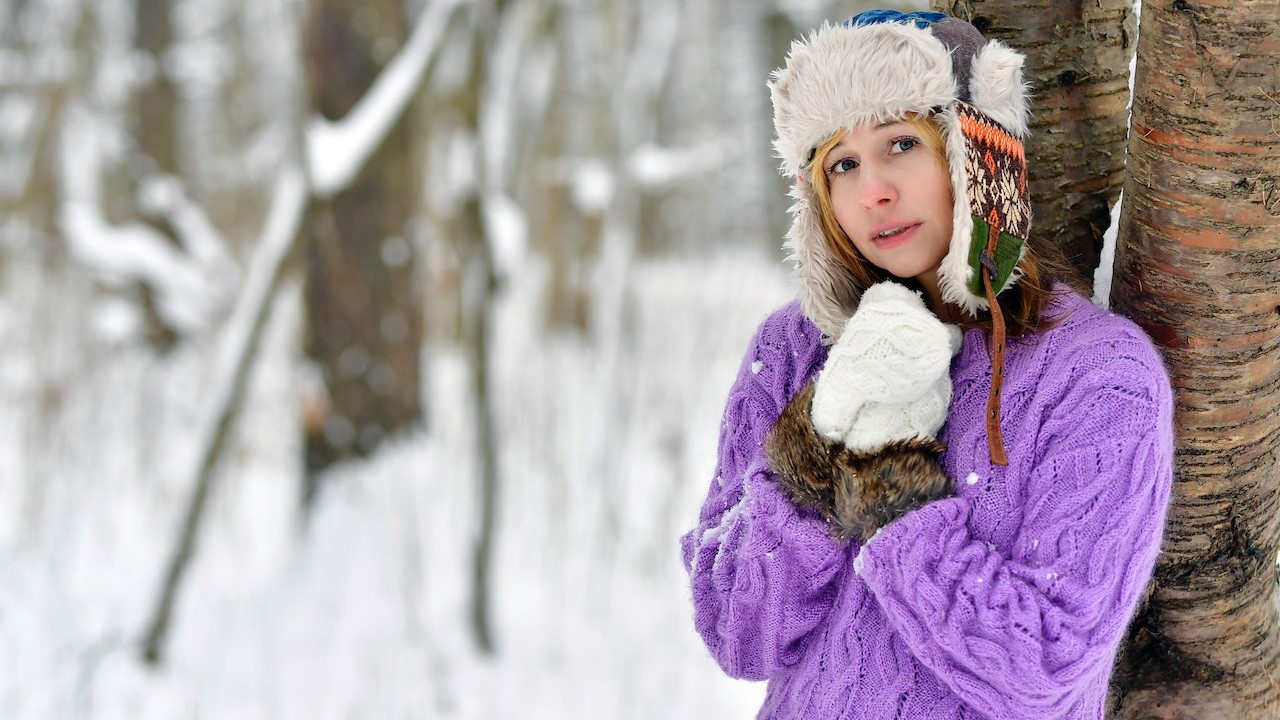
x=877, y=67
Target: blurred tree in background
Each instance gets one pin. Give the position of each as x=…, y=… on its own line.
x=364, y=313
x=175, y=170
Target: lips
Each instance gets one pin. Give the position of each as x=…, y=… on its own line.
x=888, y=236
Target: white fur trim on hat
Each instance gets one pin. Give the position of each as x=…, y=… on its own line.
x=841, y=77
x=997, y=88
x=828, y=290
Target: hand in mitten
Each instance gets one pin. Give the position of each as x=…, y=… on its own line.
x=857, y=444
x=887, y=377
x=884, y=392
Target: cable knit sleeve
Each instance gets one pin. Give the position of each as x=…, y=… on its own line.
x=763, y=575
x=1028, y=630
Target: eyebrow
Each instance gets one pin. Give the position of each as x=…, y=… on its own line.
x=879, y=126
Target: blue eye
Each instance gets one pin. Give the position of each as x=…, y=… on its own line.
x=844, y=166
x=902, y=145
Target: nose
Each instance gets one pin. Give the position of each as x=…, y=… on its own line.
x=877, y=188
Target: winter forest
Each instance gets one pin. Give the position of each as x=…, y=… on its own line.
x=366, y=358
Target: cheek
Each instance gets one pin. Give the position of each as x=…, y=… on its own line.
x=847, y=215
x=855, y=228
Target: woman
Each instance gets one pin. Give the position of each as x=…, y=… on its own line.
x=943, y=473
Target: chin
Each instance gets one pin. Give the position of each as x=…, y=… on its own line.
x=907, y=268
x=907, y=271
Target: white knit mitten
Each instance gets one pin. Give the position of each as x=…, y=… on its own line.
x=887, y=377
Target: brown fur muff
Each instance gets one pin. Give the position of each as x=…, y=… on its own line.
x=858, y=493
x=803, y=460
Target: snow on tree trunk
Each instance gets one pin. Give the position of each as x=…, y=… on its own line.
x=1198, y=266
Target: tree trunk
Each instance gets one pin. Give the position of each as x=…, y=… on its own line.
x=1198, y=266
x=156, y=102
x=480, y=288
x=155, y=128
x=364, y=324
x=1078, y=65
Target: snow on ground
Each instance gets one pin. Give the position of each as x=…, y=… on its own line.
x=363, y=612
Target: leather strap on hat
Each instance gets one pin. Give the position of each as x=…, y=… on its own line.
x=995, y=439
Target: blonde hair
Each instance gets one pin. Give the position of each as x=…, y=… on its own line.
x=1021, y=304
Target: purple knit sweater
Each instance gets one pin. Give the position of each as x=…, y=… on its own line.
x=1008, y=600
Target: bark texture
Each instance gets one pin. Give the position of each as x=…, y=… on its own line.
x=363, y=315
x=1198, y=266
x=1078, y=56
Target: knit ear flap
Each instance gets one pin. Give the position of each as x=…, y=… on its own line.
x=997, y=88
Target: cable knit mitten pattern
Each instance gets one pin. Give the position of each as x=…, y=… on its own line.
x=887, y=377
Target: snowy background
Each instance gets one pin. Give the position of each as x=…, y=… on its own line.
x=363, y=613
x=359, y=606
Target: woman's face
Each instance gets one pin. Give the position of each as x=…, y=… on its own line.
x=892, y=197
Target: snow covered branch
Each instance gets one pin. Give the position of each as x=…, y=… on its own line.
x=335, y=154
x=235, y=356
x=164, y=196
x=648, y=167
x=191, y=287
x=336, y=151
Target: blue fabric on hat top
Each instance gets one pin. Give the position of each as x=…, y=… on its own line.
x=872, y=17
